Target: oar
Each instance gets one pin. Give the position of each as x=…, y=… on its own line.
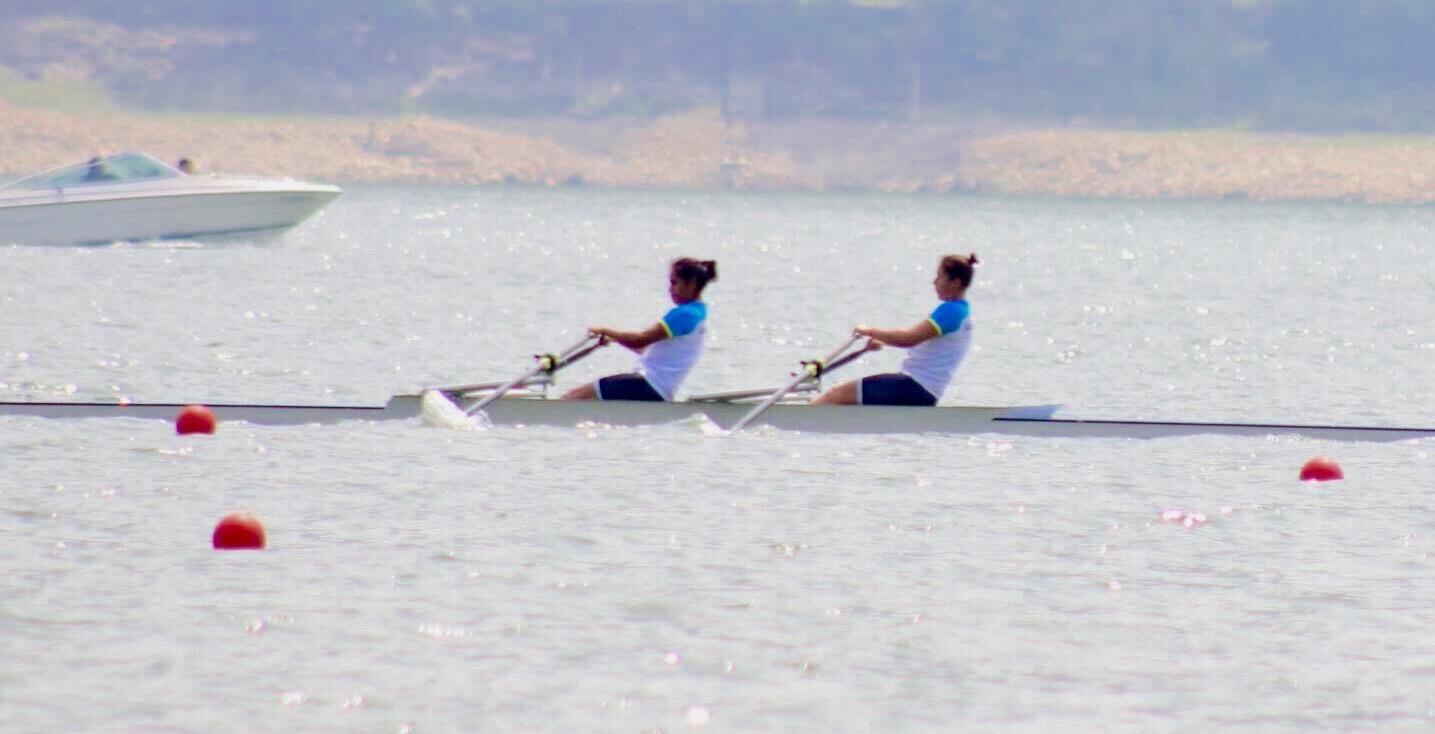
x=872, y=345
x=549, y=363
x=729, y=396
x=564, y=361
x=809, y=371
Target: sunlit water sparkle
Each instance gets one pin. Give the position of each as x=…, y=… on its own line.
x=676, y=578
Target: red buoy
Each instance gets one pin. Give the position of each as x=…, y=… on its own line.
x=1321, y=469
x=239, y=531
x=194, y=419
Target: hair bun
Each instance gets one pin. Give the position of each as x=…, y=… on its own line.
x=972, y=258
x=711, y=266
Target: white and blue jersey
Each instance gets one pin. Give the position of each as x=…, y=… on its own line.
x=933, y=362
x=667, y=362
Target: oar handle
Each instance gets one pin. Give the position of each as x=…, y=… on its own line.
x=560, y=361
x=548, y=363
x=872, y=345
x=551, y=362
x=813, y=368
x=570, y=359
x=810, y=370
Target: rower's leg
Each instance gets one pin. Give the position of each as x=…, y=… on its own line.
x=581, y=392
x=844, y=394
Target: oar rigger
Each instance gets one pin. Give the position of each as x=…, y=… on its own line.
x=547, y=365
x=810, y=370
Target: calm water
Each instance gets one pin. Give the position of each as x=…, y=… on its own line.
x=630, y=580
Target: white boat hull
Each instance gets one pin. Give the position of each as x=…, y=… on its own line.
x=542, y=412
x=399, y=407
x=162, y=216
x=816, y=418
x=1032, y=420
x=1079, y=428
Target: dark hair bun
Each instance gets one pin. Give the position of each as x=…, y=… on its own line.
x=701, y=271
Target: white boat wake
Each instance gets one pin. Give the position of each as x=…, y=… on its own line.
x=703, y=425
x=440, y=412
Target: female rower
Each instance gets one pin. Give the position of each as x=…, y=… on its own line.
x=668, y=349
x=937, y=347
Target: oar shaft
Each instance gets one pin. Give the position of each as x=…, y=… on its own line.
x=500, y=392
x=728, y=396
x=544, y=365
x=849, y=357
x=567, y=360
x=487, y=386
x=809, y=370
x=769, y=402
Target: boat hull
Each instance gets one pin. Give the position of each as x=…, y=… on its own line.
x=1078, y=428
x=788, y=417
x=161, y=216
x=540, y=412
x=398, y=407
x=1031, y=421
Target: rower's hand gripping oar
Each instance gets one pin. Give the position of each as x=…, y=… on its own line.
x=548, y=363
x=810, y=370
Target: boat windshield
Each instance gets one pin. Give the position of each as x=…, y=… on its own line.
x=122, y=167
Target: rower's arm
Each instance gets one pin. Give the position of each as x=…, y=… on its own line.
x=904, y=338
x=634, y=340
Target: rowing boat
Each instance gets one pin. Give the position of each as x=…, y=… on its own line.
x=726, y=409
x=783, y=416
x=1089, y=428
x=528, y=410
x=397, y=408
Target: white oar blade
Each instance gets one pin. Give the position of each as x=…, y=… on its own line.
x=438, y=411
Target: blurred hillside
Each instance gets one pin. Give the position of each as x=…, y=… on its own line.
x=698, y=149
x=1260, y=99
x=1311, y=65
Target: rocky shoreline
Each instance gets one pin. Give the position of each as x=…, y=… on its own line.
x=697, y=150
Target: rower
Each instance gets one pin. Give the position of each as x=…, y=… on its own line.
x=937, y=347
x=668, y=349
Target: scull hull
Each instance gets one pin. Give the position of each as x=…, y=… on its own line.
x=1032, y=420
x=541, y=412
x=1078, y=428
x=788, y=417
x=399, y=407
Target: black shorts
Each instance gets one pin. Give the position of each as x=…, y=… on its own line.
x=631, y=386
x=893, y=389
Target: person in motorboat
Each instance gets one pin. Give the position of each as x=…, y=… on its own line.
x=185, y=166
x=668, y=349
x=98, y=171
x=936, y=347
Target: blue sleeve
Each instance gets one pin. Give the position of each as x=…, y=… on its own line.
x=682, y=320
x=948, y=316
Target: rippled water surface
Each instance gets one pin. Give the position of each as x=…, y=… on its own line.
x=670, y=578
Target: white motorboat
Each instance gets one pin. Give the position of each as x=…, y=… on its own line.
x=133, y=197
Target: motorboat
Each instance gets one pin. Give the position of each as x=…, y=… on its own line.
x=133, y=197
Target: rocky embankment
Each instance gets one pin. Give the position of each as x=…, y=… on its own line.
x=697, y=150
x=1204, y=164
